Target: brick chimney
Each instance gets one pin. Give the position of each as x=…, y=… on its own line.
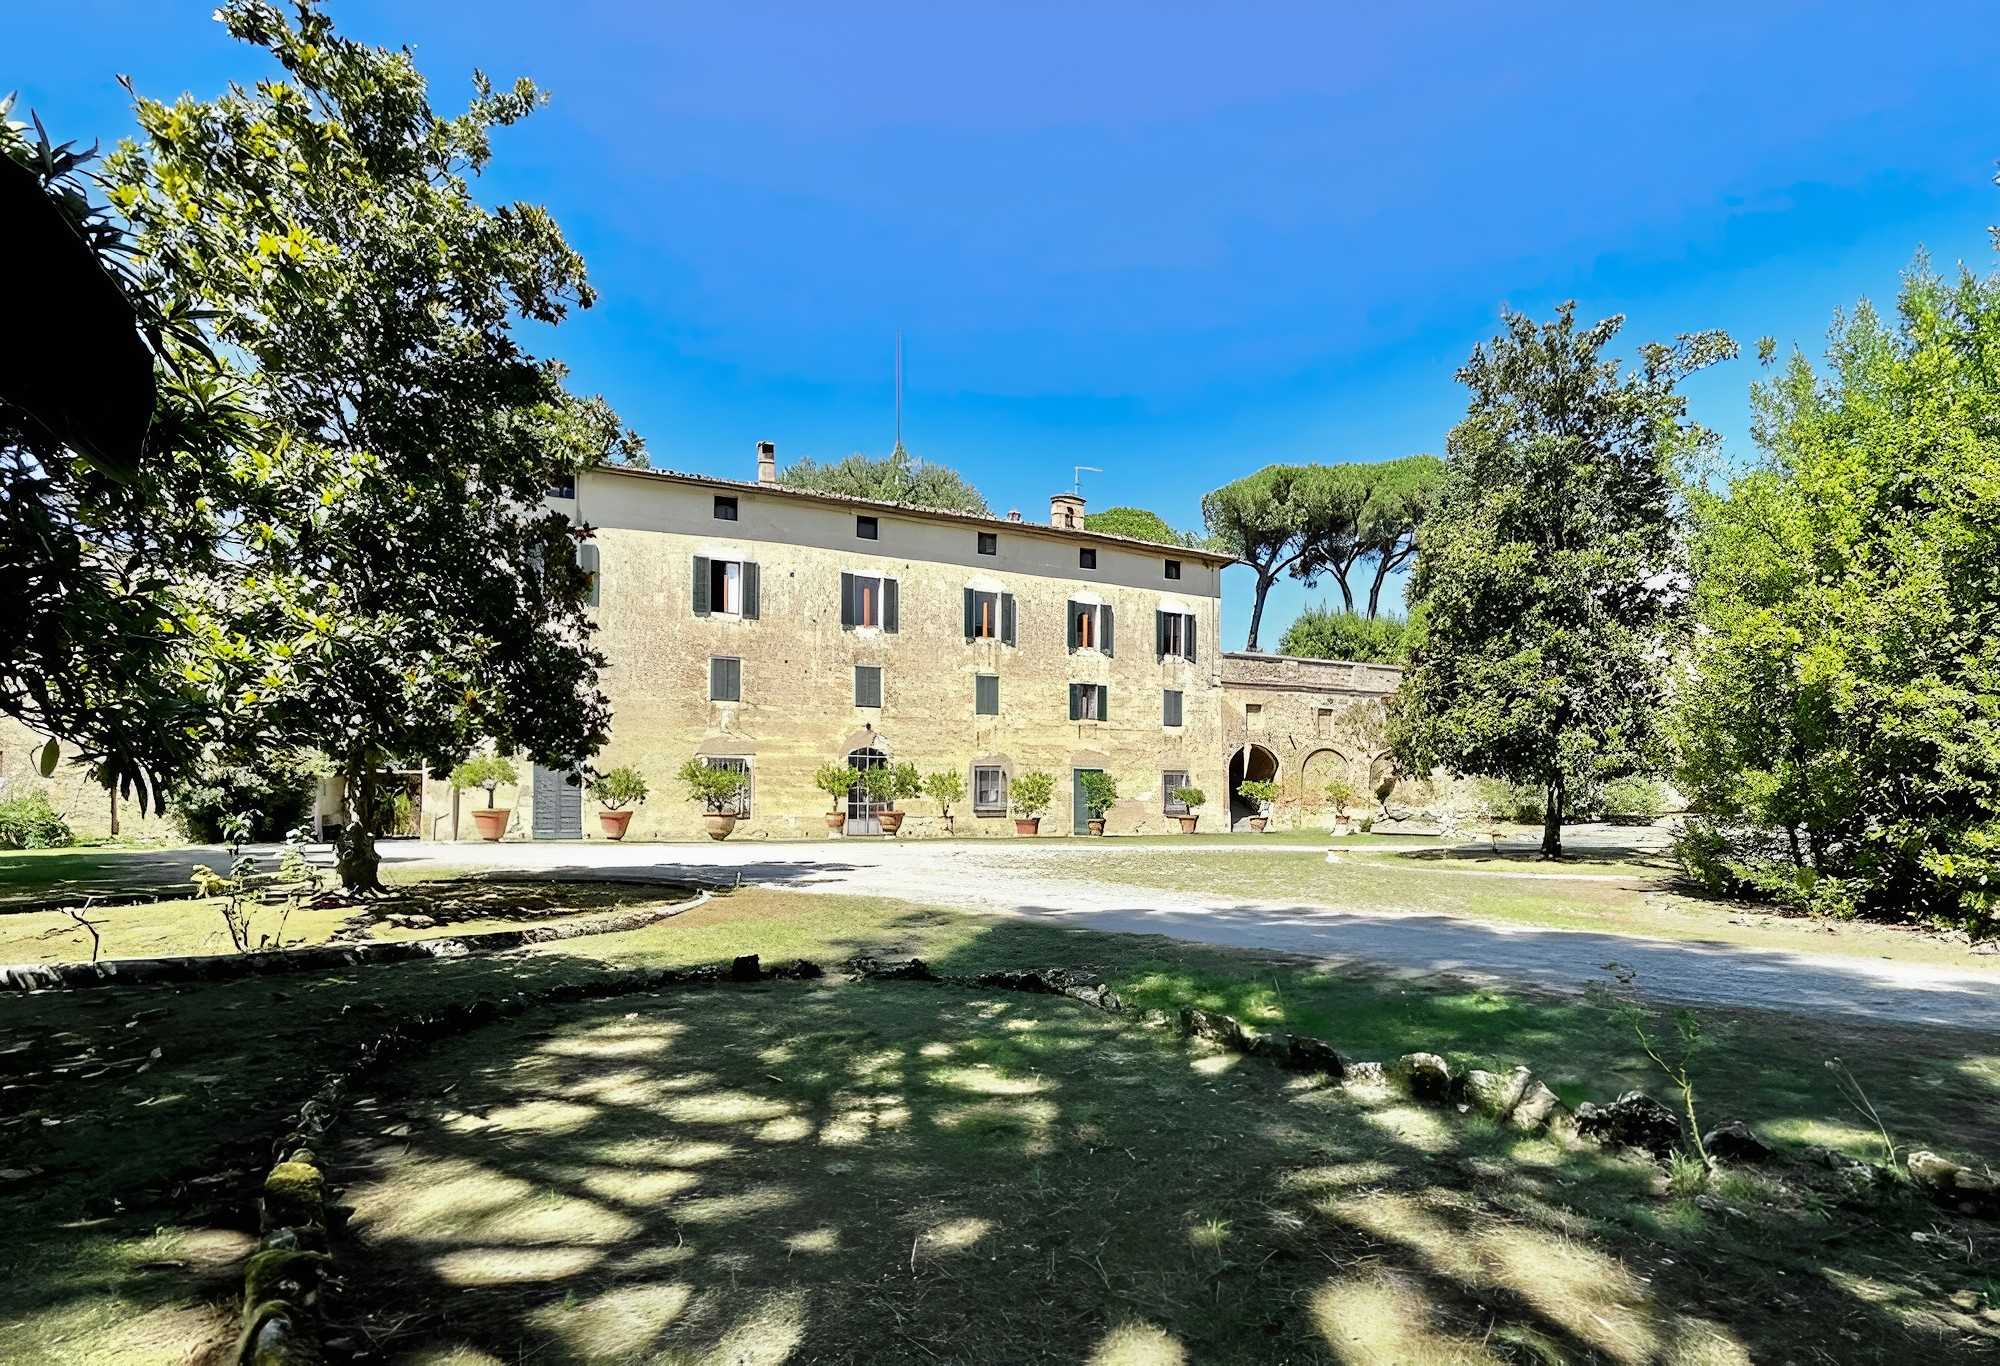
x=1066, y=510
x=767, y=462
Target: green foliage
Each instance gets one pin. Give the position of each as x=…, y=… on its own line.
x=1522, y=803
x=489, y=771
x=398, y=586
x=899, y=478
x=1552, y=578
x=1274, y=519
x=1674, y=1056
x=1031, y=794
x=878, y=783
x=1341, y=793
x=904, y=782
x=1139, y=524
x=945, y=787
x=1193, y=798
x=1839, y=724
x=27, y=821
x=716, y=790
x=1259, y=790
x=246, y=896
x=273, y=789
x=619, y=788
x=1390, y=523
x=1633, y=799
x=1322, y=633
x=1100, y=792
x=834, y=780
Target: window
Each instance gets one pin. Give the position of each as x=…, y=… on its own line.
x=989, y=790
x=725, y=507
x=742, y=805
x=867, y=685
x=586, y=556
x=869, y=600
x=866, y=529
x=1086, y=558
x=986, y=694
x=725, y=679
x=1170, y=707
x=1174, y=636
x=1089, y=702
x=989, y=616
x=1323, y=721
x=989, y=543
x=1173, y=569
x=563, y=488
x=1253, y=714
x=725, y=588
x=1172, y=781
x=1089, y=626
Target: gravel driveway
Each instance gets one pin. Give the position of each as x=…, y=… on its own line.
x=1043, y=883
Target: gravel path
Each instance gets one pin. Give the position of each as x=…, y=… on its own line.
x=1042, y=883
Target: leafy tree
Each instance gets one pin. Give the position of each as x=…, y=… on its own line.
x=401, y=591
x=488, y=772
x=1387, y=529
x=898, y=478
x=1275, y=520
x=1553, y=579
x=1322, y=633
x=619, y=788
x=946, y=787
x=1139, y=524
x=1839, y=723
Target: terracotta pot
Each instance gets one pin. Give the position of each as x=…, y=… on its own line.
x=836, y=820
x=1095, y=827
x=492, y=822
x=1027, y=827
x=1341, y=825
x=892, y=821
x=718, y=824
x=613, y=823
x=1257, y=823
x=1188, y=823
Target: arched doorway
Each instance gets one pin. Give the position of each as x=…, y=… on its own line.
x=864, y=817
x=1321, y=767
x=1252, y=763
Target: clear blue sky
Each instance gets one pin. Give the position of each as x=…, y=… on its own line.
x=1173, y=243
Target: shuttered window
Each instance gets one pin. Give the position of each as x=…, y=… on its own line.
x=726, y=588
x=867, y=685
x=869, y=600
x=725, y=679
x=1170, y=707
x=1174, y=635
x=986, y=695
x=1089, y=702
x=989, y=616
x=1090, y=627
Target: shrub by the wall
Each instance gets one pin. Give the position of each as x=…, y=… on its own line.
x=27, y=821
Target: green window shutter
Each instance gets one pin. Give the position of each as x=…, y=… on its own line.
x=889, y=607
x=1189, y=636
x=1170, y=713
x=1075, y=702
x=725, y=679
x=701, y=585
x=751, y=605
x=1103, y=702
x=1070, y=611
x=986, y=695
x=971, y=614
x=1160, y=634
x=1104, y=629
x=1006, y=618
x=867, y=685
x=846, y=599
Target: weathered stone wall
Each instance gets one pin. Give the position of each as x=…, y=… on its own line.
x=70, y=790
x=1317, y=718
x=797, y=710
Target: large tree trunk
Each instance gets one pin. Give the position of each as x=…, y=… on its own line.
x=354, y=856
x=1257, y=608
x=1552, y=821
x=1382, y=567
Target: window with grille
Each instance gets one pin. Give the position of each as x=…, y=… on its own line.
x=725, y=679
x=742, y=804
x=726, y=588
x=989, y=790
x=869, y=600
x=986, y=695
x=1172, y=781
x=867, y=685
x=1170, y=707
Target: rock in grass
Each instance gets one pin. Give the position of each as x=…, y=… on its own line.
x=1493, y=1094
x=1634, y=1120
x=746, y=968
x=1955, y=1186
x=1536, y=1110
x=1733, y=1142
x=1197, y=1023
x=294, y=1193
x=1422, y=1076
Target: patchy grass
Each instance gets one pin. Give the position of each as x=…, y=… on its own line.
x=110, y=1132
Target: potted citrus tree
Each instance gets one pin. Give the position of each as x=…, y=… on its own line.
x=835, y=780
x=1100, y=790
x=1193, y=798
x=718, y=790
x=488, y=771
x=1031, y=794
x=617, y=790
x=1342, y=794
x=1263, y=792
x=944, y=788
x=898, y=783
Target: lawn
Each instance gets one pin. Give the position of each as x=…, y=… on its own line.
x=1148, y=1195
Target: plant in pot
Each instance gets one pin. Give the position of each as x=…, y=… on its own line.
x=1342, y=794
x=835, y=780
x=1193, y=798
x=718, y=790
x=1100, y=790
x=617, y=790
x=944, y=788
x=898, y=783
x=489, y=771
x=1262, y=792
x=1031, y=794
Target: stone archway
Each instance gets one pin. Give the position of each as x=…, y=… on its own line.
x=1318, y=769
x=1252, y=763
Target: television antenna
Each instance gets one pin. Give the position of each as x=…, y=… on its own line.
x=899, y=388
x=1076, y=478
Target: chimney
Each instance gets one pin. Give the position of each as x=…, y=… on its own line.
x=767, y=462
x=1013, y=514
x=1066, y=511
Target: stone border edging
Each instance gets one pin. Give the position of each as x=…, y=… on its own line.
x=283, y=1279
x=230, y=967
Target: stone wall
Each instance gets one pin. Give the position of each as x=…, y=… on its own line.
x=1316, y=719
x=85, y=804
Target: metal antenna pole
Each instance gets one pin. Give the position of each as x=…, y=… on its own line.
x=1076, y=478
x=899, y=388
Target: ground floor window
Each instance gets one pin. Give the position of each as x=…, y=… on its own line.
x=1172, y=781
x=742, y=807
x=989, y=790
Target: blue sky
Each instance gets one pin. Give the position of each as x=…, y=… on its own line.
x=1176, y=243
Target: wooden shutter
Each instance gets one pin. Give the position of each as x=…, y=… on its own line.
x=1069, y=609
x=971, y=614
x=1187, y=636
x=1103, y=702
x=846, y=599
x=867, y=685
x=701, y=585
x=750, y=594
x=1076, y=701
x=889, y=613
x=986, y=694
x=1160, y=635
x=1006, y=618
x=1104, y=629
